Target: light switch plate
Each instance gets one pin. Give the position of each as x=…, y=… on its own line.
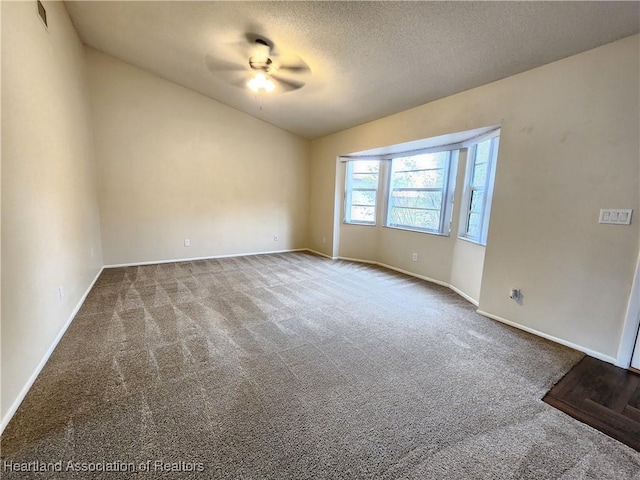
x=615, y=216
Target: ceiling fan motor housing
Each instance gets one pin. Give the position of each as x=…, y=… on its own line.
x=265, y=59
x=260, y=64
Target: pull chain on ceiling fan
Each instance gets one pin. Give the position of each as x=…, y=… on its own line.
x=265, y=71
x=261, y=63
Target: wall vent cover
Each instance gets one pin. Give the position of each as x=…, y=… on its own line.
x=42, y=13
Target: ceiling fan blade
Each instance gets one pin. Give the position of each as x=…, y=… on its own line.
x=242, y=83
x=301, y=68
x=257, y=40
x=286, y=84
x=215, y=65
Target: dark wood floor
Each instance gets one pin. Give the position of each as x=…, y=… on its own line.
x=603, y=396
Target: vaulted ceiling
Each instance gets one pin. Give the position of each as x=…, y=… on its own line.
x=366, y=59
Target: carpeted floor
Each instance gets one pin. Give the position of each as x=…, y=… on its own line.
x=296, y=366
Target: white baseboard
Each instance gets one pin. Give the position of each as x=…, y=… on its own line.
x=14, y=407
x=417, y=275
x=359, y=260
x=580, y=348
x=321, y=254
x=23, y=393
x=412, y=274
x=464, y=295
x=211, y=257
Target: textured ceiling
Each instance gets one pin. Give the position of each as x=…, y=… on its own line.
x=367, y=59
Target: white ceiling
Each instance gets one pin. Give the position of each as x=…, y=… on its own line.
x=367, y=59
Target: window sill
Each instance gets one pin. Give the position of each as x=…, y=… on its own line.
x=437, y=234
x=359, y=224
x=475, y=242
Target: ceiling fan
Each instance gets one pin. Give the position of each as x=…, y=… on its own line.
x=263, y=69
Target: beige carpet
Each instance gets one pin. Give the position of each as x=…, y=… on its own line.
x=296, y=366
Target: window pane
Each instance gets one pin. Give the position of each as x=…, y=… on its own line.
x=420, y=179
x=474, y=227
x=418, y=189
x=481, y=161
x=361, y=191
x=363, y=214
x=482, y=151
x=477, y=198
x=421, y=162
x=479, y=175
x=364, y=180
x=372, y=166
x=416, y=199
x=363, y=198
x=408, y=217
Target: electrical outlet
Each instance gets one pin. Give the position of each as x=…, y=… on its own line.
x=324, y=239
x=414, y=257
x=61, y=293
x=275, y=238
x=187, y=242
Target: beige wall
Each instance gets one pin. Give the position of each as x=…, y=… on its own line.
x=444, y=259
x=324, y=199
x=174, y=164
x=467, y=258
x=467, y=264
x=50, y=226
x=569, y=147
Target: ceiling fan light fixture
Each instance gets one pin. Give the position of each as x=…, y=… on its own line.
x=261, y=83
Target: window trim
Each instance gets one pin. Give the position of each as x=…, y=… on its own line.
x=347, y=198
x=465, y=209
x=448, y=190
x=455, y=143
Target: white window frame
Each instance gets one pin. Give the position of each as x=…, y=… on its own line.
x=485, y=213
x=348, y=191
x=446, y=208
